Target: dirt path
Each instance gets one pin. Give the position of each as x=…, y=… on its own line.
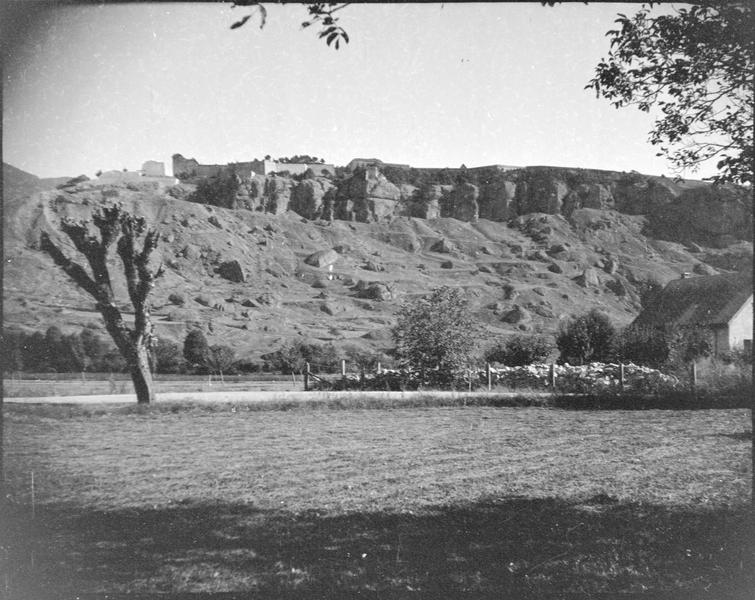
x=255, y=397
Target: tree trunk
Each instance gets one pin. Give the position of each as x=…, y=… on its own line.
x=142, y=376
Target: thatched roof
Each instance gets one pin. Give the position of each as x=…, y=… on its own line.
x=707, y=300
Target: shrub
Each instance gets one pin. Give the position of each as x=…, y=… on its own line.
x=221, y=359
x=588, y=338
x=688, y=345
x=363, y=360
x=166, y=357
x=292, y=358
x=177, y=299
x=246, y=365
x=722, y=377
x=436, y=333
x=219, y=190
x=644, y=346
x=196, y=350
x=12, y=356
x=520, y=350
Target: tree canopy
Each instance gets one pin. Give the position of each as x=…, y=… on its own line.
x=436, y=332
x=695, y=66
x=587, y=338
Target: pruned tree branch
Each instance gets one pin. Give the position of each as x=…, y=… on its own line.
x=74, y=270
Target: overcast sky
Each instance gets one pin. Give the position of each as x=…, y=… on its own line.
x=106, y=87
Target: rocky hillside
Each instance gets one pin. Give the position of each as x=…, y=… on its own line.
x=530, y=247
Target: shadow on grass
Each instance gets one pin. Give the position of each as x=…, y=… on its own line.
x=741, y=436
x=509, y=547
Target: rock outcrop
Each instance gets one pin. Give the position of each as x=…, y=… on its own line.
x=426, y=202
x=496, y=200
x=461, y=203
x=232, y=271
x=374, y=290
x=367, y=197
x=277, y=194
x=313, y=198
x=322, y=258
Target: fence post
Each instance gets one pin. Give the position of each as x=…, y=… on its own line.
x=379, y=368
x=343, y=367
x=621, y=377
x=33, y=498
x=552, y=377
x=693, y=377
x=490, y=377
x=306, y=377
x=469, y=375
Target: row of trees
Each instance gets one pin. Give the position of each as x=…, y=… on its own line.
x=435, y=332
x=593, y=338
x=55, y=352
x=86, y=351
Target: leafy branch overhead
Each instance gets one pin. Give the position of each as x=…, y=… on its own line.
x=320, y=13
x=695, y=66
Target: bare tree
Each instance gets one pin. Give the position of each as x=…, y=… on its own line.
x=134, y=244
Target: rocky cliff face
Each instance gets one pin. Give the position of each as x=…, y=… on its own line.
x=680, y=211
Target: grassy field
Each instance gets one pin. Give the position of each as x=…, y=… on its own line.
x=417, y=502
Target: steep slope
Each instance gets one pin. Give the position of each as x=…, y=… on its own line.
x=20, y=184
x=246, y=281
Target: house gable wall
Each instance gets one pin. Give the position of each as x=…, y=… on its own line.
x=740, y=326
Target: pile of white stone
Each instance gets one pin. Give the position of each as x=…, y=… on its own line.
x=593, y=378
x=590, y=378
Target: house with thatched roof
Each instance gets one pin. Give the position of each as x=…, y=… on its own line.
x=720, y=303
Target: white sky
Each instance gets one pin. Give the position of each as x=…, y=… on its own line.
x=105, y=87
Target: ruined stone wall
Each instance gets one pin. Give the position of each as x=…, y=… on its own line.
x=297, y=168
x=246, y=170
x=153, y=168
x=192, y=168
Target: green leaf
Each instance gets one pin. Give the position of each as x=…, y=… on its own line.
x=241, y=22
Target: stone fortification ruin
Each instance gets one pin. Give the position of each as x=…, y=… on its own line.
x=190, y=168
x=152, y=171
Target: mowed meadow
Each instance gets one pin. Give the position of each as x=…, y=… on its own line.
x=439, y=502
